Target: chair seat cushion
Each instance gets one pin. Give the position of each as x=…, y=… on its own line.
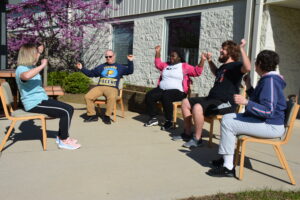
x=23, y=113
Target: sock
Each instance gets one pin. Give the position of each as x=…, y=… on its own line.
x=228, y=161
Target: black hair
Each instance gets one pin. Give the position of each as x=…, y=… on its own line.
x=267, y=60
x=180, y=55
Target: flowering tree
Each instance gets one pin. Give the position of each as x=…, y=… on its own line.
x=59, y=24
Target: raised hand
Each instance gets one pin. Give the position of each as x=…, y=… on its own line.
x=243, y=43
x=78, y=65
x=208, y=56
x=157, y=49
x=130, y=57
x=44, y=62
x=204, y=56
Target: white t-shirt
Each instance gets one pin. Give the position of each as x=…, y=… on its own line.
x=172, y=77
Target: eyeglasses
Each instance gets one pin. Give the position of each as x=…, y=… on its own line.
x=108, y=57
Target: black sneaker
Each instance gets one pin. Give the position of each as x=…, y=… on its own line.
x=92, y=118
x=183, y=137
x=106, y=119
x=221, y=172
x=217, y=163
x=167, y=126
x=151, y=122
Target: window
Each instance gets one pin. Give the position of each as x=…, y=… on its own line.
x=183, y=36
x=122, y=41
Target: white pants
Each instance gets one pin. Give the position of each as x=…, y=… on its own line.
x=236, y=124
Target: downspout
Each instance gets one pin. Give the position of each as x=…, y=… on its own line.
x=258, y=12
x=249, y=25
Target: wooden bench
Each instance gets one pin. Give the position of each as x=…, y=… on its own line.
x=54, y=91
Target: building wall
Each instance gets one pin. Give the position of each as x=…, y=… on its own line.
x=281, y=32
x=219, y=22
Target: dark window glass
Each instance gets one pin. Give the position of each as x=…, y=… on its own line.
x=122, y=41
x=184, y=37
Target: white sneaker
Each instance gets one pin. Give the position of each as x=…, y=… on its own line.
x=68, y=144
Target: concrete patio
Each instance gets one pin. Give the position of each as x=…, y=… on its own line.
x=128, y=161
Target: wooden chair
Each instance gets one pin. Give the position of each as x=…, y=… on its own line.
x=177, y=104
x=17, y=115
x=291, y=115
x=211, y=119
x=102, y=100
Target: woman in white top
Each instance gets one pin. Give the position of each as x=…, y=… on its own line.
x=173, y=85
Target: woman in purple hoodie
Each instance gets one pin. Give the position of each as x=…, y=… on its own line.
x=264, y=113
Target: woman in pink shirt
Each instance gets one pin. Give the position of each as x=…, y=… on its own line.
x=173, y=85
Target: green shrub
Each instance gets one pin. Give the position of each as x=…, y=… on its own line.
x=76, y=83
x=57, y=78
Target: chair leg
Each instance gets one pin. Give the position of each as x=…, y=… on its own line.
x=279, y=156
x=174, y=115
x=211, y=133
x=243, y=145
x=44, y=134
x=287, y=168
x=13, y=123
x=115, y=112
x=237, y=153
x=122, y=108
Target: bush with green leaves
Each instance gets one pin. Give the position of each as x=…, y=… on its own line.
x=57, y=77
x=76, y=83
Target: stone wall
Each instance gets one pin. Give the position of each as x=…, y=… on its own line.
x=148, y=33
x=216, y=27
x=219, y=22
x=281, y=32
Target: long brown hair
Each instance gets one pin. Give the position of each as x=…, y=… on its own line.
x=232, y=49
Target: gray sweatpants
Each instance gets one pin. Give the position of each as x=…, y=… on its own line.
x=236, y=124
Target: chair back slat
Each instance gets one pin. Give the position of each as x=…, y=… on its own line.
x=240, y=107
x=289, y=112
x=7, y=93
x=5, y=98
x=291, y=115
x=121, y=84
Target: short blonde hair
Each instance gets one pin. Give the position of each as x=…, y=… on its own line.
x=27, y=55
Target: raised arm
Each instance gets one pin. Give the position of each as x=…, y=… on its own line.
x=212, y=66
x=96, y=72
x=197, y=70
x=157, y=51
x=158, y=64
x=25, y=76
x=246, y=62
x=129, y=69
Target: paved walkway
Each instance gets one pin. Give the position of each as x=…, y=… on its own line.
x=127, y=161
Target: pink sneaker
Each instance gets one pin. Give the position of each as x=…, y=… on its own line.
x=72, y=139
x=68, y=144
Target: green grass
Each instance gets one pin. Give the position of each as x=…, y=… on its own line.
x=252, y=195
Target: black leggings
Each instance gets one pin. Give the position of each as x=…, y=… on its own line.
x=167, y=97
x=57, y=109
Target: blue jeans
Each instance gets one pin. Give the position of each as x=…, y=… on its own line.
x=236, y=124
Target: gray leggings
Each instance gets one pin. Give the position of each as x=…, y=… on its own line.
x=236, y=124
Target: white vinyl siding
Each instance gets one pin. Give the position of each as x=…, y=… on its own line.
x=135, y=7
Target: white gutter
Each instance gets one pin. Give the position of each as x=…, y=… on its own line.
x=248, y=25
x=258, y=12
